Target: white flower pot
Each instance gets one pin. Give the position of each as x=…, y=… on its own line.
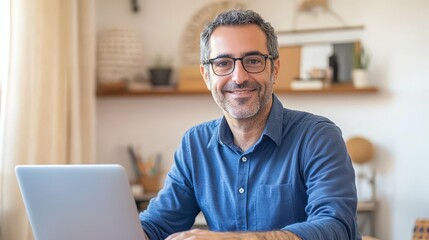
x=360, y=78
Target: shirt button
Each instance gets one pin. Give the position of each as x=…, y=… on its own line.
x=244, y=159
x=241, y=190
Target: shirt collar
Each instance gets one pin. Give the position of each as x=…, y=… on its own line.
x=273, y=128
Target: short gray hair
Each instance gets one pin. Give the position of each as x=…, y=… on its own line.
x=234, y=18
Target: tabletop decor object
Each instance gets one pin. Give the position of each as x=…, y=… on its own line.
x=360, y=69
x=361, y=152
x=160, y=72
x=119, y=58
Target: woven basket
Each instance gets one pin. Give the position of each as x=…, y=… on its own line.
x=119, y=56
x=421, y=229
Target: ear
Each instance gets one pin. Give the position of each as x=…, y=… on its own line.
x=206, y=76
x=276, y=69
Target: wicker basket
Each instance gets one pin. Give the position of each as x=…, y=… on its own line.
x=119, y=56
x=421, y=229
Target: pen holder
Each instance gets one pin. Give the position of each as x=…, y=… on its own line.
x=151, y=183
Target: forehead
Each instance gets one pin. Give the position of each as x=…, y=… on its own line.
x=237, y=40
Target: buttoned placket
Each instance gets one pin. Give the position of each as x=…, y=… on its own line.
x=242, y=193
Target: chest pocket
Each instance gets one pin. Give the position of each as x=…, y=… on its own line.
x=274, y=209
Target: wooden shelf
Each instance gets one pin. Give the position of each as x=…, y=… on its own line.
x=320, y=30
x=335, y=89
x=150, y=92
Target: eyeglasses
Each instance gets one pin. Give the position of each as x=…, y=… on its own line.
x=254, y=63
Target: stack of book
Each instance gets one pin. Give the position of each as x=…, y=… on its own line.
x=311, y=84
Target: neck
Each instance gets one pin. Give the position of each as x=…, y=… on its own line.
x=247, y=131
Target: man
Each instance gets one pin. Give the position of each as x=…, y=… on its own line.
x=262, y=171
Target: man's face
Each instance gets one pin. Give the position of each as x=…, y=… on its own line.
x=240, y=94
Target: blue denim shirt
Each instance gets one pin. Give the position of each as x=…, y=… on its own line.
x=297, y=177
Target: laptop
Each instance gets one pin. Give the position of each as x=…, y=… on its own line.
x=85, y=202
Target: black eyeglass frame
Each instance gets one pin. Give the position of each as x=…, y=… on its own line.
x=210, y=61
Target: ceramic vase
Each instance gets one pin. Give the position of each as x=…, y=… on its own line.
x=360, y=78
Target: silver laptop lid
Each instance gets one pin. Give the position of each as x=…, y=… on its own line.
x=85, y=202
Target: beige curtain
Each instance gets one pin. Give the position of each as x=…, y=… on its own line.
x=48, y=100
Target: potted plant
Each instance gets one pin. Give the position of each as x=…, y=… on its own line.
x=361, y=62
x=160, y=72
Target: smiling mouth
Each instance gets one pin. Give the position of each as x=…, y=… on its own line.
x=241, y=91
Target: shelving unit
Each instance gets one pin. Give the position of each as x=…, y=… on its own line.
x=335, y=89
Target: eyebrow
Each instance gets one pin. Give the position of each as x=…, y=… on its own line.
x=245, y=54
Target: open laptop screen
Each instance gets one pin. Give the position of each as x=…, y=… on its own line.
x=70, y=202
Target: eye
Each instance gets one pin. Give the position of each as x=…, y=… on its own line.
x=253, y=60
x=223, y=63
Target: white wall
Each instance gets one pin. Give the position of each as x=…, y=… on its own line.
x=396, y=120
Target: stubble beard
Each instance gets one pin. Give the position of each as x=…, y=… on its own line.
x=238, y=108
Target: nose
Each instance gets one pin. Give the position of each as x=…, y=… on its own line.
x=239, y=75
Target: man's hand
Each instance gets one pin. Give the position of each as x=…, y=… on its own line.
x=198, y=234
